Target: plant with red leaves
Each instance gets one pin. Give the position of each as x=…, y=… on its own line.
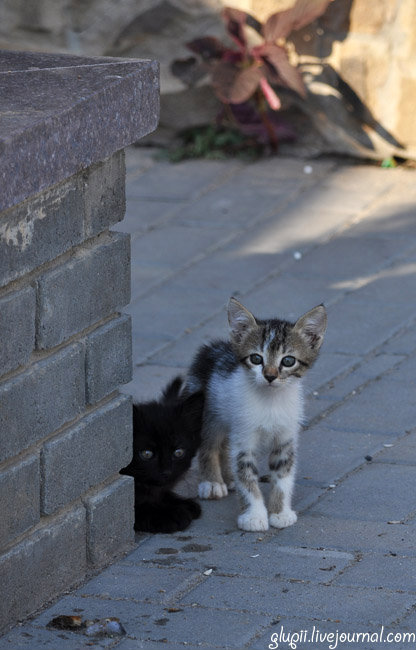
x=244, y=78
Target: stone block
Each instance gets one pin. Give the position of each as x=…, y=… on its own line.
x=231, y=555
x=83, y=456
x=108, y=358
x=41, y=399
x=378, y=492
x=179, y=182
x=318, y=531
x=39, y=229
x=384, y=407
x=161, y=253
x=370, y=368
x=193, y=627
x=42, y=565
x=78, y=111
x=373, y=314
x=142, y=216
x=401, y=451
x=278, y=597
x=35, y=635
x=19, y=495
x=94, y=284
x=326, y=455
x=104, y=194
x=391, y=570
x=110, y=520
x=140, y=582
x=157, y=326
x=17, y=328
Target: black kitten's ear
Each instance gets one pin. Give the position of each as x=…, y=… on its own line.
x=192, y=409
x=195, y=401
x=137, y=416
x=172, y=390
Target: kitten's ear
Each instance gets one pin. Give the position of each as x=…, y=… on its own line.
x=195, y=401
x=311, y=327
x=239, y=319
x=172, y=390
x=192, y=409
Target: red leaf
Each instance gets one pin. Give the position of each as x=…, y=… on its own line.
x=270, y=95
x=208, y=47
x=234, y=85
x=234, y=21
x=303, y=12
x=289, y=75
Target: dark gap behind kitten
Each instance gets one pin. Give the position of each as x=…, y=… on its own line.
x=166, y=436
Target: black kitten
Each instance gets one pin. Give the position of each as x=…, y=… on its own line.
x=166, y=436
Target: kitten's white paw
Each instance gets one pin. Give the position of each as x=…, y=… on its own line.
x=253, y=521
x=209, y=490
x=283, y=519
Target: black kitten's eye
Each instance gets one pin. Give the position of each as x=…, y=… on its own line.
x=257, y=359
x=288, y=362
x=146, y=454
x=179, y=453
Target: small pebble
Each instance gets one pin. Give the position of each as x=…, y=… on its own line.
x=369, y=458
x=308, y=169
x=297, y=255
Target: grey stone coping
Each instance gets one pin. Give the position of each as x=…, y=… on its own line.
x=61, y=113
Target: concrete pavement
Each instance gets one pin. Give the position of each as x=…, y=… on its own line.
x=282, y=235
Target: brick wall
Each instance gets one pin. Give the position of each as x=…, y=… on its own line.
x=65, y=430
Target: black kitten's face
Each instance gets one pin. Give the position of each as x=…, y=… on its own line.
x=165, y=439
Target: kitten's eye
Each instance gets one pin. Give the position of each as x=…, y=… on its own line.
x=288, y=362
x=146, y=454
x=256, y=359
x=179, y=453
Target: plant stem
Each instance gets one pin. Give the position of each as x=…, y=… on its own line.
x=263, y=112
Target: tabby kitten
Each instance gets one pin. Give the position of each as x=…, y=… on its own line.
x=166, y=436
x=253, y=400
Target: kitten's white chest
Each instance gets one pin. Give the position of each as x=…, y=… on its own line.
x=267, y=411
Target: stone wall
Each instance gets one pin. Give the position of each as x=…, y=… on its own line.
x=65, y=347
x=370, y=43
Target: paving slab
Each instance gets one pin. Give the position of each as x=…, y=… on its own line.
x=383, y=407
x=234, y=555
x=325, y=455
x=365, y=494
x=381, y=569
x=278, y=598
x=320, y=531
x=178, y=182
x=401, y=451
